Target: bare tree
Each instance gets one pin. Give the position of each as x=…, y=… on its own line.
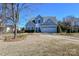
x=12, y=11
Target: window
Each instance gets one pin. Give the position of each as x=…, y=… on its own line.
x=38, y=21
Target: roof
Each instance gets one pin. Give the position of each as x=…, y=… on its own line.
x=50, y=18
x=45, y=18
x=49, y=22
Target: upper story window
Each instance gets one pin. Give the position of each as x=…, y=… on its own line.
x=38, y=21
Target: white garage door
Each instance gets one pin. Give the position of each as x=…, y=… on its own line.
x=50, y=30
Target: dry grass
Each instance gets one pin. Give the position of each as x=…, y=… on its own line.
x=10, y=38
x=39, y=44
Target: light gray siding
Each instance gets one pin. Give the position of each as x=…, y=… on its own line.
x=30, y=25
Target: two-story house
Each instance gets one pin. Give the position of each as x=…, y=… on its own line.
x=42, y=24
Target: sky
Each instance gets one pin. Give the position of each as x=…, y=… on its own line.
x=59, y=10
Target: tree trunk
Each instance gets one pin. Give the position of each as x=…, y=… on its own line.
x=60, y=29
x=16, y=18
x=15, y=31
x=14, y=13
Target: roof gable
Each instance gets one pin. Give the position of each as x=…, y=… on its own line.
x=30, y=23
x=49, y=22
x=39, y=17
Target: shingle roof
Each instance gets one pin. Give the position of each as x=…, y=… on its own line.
x=45, y=18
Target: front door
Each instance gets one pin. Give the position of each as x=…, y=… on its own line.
x=37, y=28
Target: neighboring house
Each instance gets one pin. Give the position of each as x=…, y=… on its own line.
x=9, y=28
x=5, y=28
x=73, y=21
x=42, y=24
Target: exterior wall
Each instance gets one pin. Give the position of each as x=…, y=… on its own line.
x=77, y=23
x=30, y=26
